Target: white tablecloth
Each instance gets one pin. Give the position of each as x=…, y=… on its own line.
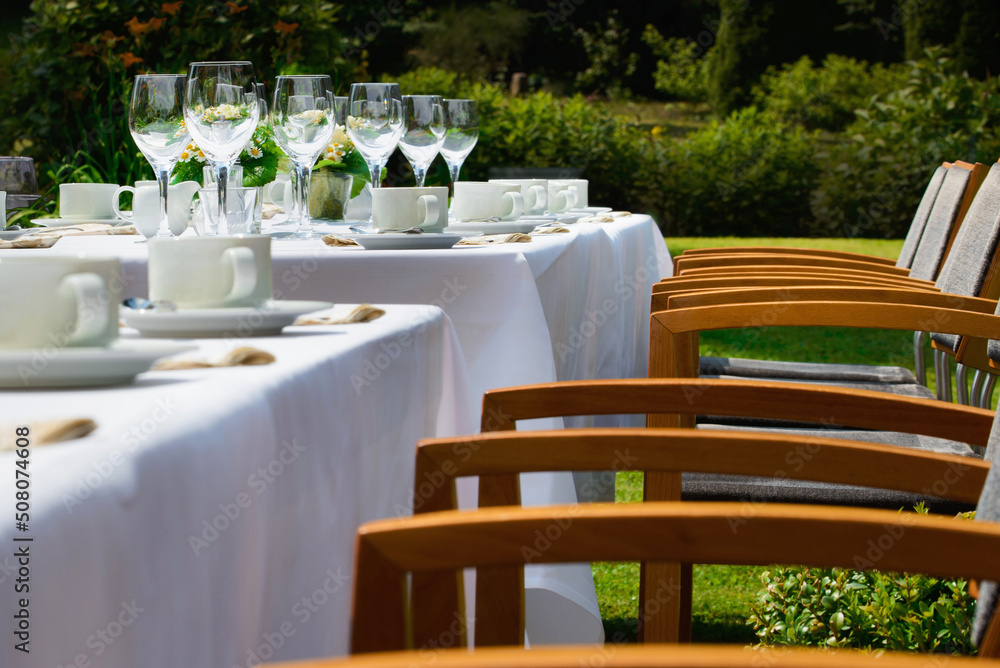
x=566, y=306
x=216, y=507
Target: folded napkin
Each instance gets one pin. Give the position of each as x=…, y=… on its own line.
x=334, y=240
x=361, y=313
x=44, y=432
x=602, y=218
x=83, y=229
x=550, y=230
x=488, y=239
x=269, y=211
x=29, y=241
x=245, y=356
x=620, y=214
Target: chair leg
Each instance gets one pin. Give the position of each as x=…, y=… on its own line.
x=977, y=387
x=943, y=376
x=986, y=396
x=962, y=384
x=918, y=357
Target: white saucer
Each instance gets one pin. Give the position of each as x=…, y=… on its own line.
x=70, y=222
x=10, y=235
x=265, y=320
x=521, y=225
x=407, y=241
x=591, y=210
x=117, y=364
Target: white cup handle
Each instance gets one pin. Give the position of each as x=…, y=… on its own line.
x=283, y=188
x=244, y=273
x=92, y=312
x=431, y=207
x=571, y=198
x=541, y=197
x=116, y=200
x=516, y=206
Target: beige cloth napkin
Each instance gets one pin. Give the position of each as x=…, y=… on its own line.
x=83, y=229
x=620, y=214
x=334, y=240
x=29, y=241
x=488, y=239
x=602, y=218
x=245, y=356
x=44, y=432
x=361, y=313
x=550, y=230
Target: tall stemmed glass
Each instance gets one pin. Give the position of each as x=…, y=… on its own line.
x=461, y=118
x=221, y=111
x=375, y=124
x=303, y=122
x=156, y=121
x=423, y=132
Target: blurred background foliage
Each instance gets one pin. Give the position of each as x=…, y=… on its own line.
x=716, y=116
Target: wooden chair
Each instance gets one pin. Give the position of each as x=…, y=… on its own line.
x=932, y=232
x=970, y=270
x=640, y=656
x=388, y=551
x=503, y=408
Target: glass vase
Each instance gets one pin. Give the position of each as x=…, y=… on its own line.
x=329, y=193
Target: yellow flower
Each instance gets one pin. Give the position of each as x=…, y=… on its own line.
x=255, y=152
x=185, y=155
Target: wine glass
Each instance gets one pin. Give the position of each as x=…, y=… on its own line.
x=302, y=120
x=375, y=123
x=156, y=122
x=423, y=132
x=461, y=118
x=221, y=111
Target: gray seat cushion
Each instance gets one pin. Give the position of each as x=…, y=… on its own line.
x=805, y=371
x=916, y=231
x=708, y=487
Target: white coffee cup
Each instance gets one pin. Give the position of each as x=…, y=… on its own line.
x=534, y=192
x=478, y=200
x=86, y=201
x=145, y=213
x=279, y=191
x=67, y=301
x=211, y=272
x=566, y=194
x=406, y=207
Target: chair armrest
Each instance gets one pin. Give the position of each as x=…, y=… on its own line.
x=832, y=293
x=788, y=250
x=742, y=259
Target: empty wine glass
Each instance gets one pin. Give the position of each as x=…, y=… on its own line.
x=303, y=121
x=375, y=123
x=461, y=119
x=221, y=111
x=156, y=122
x=423, y=132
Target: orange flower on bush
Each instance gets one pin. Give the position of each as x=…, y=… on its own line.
x=171, y=7
x=286, y=28
x=109, y=38
x=129, y=59
x=137, y=27
x=234, y=8
x=81, y=50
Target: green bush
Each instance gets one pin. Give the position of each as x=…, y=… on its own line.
x=680, y=72
x=875, y=178
x=745, y=176
x=824, y=97
x=67, y=74
x=840, y=608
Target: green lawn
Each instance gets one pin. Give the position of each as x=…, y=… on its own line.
x=723, y=594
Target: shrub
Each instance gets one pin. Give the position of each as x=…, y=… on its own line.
x=840, y=608
x=824, y=97
x=876, y=177
x=680, y=72
x=746, y=176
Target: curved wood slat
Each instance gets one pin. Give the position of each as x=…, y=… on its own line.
x=746, y=398
x=832, y=293
x=682, y=283
x=787, y=250
x=770, y=270
x=642, y=656
x=736, y=453
x=743, y=259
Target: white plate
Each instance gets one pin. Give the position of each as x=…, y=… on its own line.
x=265, y=320
x=9, y=235
x=117, y=364
x=68, y=222
x=407, y=241
x=521, y=226
x=591, y=210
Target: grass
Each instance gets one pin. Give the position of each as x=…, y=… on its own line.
x=723, y=595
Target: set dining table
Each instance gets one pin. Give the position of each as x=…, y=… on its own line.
x=209, y=519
